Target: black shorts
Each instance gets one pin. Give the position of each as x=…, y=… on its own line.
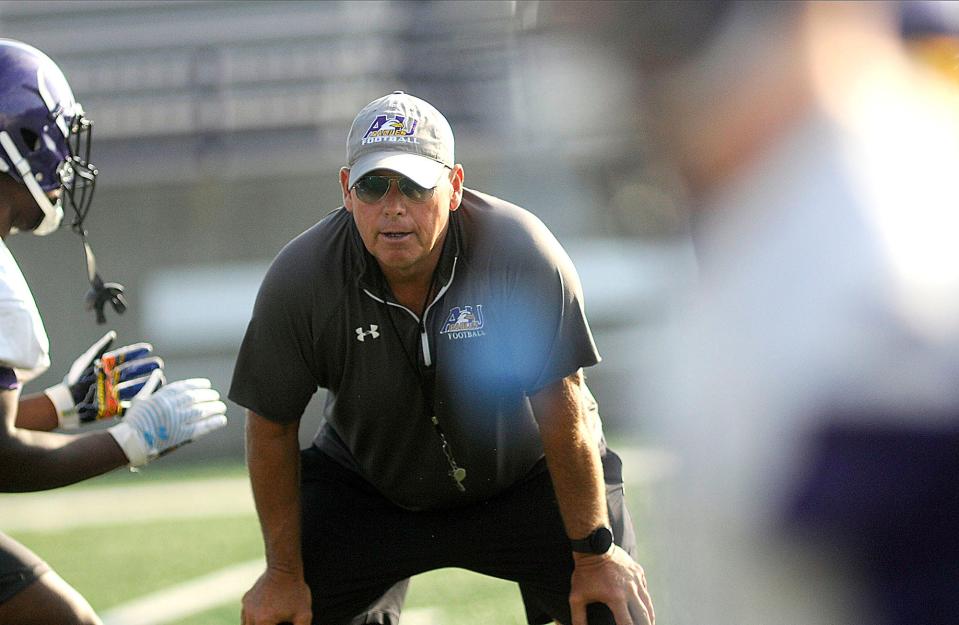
x=19, y=567
x=359, y=549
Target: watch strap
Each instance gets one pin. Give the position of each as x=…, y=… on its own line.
x=598, y=541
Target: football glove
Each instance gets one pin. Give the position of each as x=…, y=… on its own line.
x=100, y=384
x=118, y=376
x=157, y=423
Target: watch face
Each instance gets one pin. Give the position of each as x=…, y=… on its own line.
x=601, y=540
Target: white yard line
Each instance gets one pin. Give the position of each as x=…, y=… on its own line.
x=79, y=507
x=209, y=591
x=191, y=597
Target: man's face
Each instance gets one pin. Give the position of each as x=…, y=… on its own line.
x=25, y=213
x=405, y=236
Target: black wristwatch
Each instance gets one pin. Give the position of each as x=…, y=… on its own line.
x=599, y=541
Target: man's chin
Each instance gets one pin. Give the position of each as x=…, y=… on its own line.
x=396, y=257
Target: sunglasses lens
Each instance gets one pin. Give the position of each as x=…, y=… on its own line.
x=371, y=188
x=414, y=191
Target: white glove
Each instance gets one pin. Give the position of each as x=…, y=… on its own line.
x=157, y=423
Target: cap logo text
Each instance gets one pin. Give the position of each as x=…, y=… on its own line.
x=391, y=128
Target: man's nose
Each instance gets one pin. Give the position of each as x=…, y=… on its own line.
x=393, y=201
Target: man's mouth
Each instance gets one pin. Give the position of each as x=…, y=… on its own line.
x=394, y=236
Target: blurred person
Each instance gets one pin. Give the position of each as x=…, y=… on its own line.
x=44, y=162
x=809, y=386
x=931, y=31
x=448, y=328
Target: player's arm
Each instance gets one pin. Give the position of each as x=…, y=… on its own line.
x=574, y=465
x=40, y=460
x=273, y=458
x=36, y=412
x=156, y=423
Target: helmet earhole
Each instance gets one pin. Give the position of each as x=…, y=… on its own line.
x=30, y=139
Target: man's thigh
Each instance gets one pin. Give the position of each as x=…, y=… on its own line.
x=521, y=537
x=359, y=550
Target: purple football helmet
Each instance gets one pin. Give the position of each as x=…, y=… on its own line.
x=45, y=145
x=44, y=136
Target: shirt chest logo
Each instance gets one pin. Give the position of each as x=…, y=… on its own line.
x=464, y=322
x=373, y=333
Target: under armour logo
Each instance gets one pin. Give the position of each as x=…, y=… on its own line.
x=372, y=333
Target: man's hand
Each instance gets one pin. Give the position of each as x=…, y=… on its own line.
x=615, y=579
x=157, y=423
x=277, y=597
x=101, y=383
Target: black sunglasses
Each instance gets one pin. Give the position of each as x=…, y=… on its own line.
x=371, y=189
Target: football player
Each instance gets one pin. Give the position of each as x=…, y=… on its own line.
x=44, y=165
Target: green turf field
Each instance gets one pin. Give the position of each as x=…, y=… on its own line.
x=115, y=562
x=458, y=598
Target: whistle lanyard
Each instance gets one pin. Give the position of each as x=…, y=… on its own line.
x=427, y=380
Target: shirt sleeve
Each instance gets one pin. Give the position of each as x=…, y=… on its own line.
x=275, y=374
x=550, y=336
x=8, y=379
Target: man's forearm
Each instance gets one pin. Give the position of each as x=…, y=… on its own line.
x=273, y=459
x=572, y=456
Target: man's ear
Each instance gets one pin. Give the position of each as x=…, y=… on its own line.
x=456, y=180
x=344, y=185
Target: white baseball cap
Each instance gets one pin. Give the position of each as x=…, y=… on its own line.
x=401, y=133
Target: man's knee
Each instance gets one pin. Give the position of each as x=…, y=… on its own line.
x=48, y=601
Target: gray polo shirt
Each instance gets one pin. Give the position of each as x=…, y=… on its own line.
x=508, y=321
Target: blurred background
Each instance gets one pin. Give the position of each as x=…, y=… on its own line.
x=220, y=128
x=219, y=131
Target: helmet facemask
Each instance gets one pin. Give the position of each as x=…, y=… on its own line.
x=78, y=176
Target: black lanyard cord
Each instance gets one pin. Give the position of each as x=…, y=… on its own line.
x=427, y=386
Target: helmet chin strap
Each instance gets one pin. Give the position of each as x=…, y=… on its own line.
x=100, y=292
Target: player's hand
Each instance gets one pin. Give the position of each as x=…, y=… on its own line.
x=277, y=597
x=116, y=378
x=76, y=383
x=615, y=579
x=157, y=423
x=100, y=383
